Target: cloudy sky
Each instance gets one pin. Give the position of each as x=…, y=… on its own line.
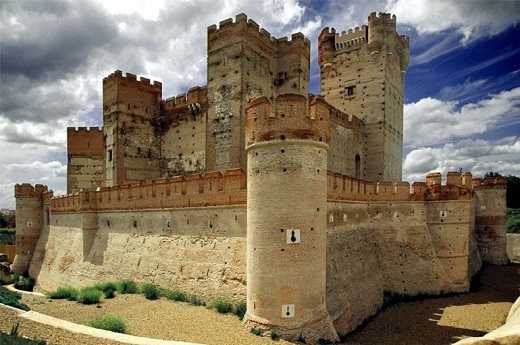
x=462, y=95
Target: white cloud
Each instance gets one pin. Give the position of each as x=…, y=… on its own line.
x=431, y=121
x=475, y=156
x=471, y=19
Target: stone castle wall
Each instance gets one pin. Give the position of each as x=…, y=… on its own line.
x=85, y=151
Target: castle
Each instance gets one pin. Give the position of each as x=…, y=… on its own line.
x=253, y=188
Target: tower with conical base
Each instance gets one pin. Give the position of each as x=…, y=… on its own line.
x=286, y=218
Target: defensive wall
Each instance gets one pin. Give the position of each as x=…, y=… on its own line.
x=85, y=154
x=191, y=232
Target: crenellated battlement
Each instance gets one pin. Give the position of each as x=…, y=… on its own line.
x=355, y=37
x=195, y=190
x=292, y=117
x=490, y=183
x=242, y=23
x=29, y=191
x=382, y=19
x=82, y=130
x=132, y=78
x=458, y=187
x=195, y=95
x=339, y=117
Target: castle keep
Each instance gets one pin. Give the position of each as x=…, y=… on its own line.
x=253, y=188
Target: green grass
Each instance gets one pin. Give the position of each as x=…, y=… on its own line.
x=240, y=309
x=194, y=300
x=108, y=289
x=66, y=292
x=12, y=299
x=513, y=220
x=175, y=294
x=150, y=291
x=89, y=295
x=7, y=236
x=221, y=304
x=127, y=286
x=12, y=339
x=109, y=323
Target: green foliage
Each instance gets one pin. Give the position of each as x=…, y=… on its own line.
x=273, y=334
x=175, y=294
x=9, y=339
x=108, y=289
x=89, y=295
x=109, y=323
x=194, y=300
x=24, y=283
x=12, y=299
x=127, y=286
x=513, y=220
x=7, y=236
x=14, y=278
x=256, y=331
x=221, y=304
x=150, y=291
x=240, y=309
x=66, y=292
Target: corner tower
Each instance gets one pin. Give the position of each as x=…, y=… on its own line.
x=286, y=145
x=362, y=73
x=131, y=129
x=30, y=220
x=245, y=62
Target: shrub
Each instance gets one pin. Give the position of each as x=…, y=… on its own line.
x=24, y=283
x=109, y=323
x=176, y=294
x=221, y=304
x=127, y=286
x=240, y=309
x=89, y=295
x=150, y=291
x=256, y=331
x=66, y=292
x=12, y=299
x=194, y=300
x=273, y=335
x=108, y=289
x=11, y=339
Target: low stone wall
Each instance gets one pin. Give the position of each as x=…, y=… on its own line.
x=507, y=334
x=513, y=247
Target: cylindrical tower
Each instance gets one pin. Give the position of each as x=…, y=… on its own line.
x=29, y=223
x=286, y=218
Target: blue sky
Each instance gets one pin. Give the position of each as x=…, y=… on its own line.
x=462, y=88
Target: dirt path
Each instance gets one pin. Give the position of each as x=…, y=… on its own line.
x=434, y=321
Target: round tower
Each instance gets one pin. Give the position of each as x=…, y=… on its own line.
x=326, y=47
x=381, y=30
x=29, y=223
x=286, y=218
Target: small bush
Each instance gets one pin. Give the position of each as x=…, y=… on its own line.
x=175, y=295
x=127, y=286
x=89, y=295
x=66, y=292
x=194, y=300
x=109, y=323
x=150, y=291
x=240, y=309
x=221, y=304
x=108, y=289
x=273, y=334
x=24, y=283
x=256, y=331
x=12, y=299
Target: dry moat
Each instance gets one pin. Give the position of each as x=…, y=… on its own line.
x=442, y=320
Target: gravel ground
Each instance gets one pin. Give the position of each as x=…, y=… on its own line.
x=433, y=321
